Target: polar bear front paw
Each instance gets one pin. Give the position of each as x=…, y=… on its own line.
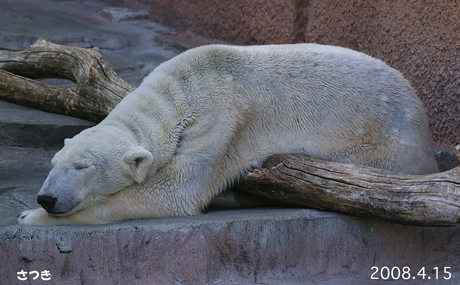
x=34, y=217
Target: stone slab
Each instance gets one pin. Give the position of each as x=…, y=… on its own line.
x=252, y=246
x=25, y=127
x=22, y=173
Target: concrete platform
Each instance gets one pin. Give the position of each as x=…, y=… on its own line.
x=25, y=127
x=252, y=246
x=225, y=245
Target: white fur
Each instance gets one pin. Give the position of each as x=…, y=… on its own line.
x=203, y=118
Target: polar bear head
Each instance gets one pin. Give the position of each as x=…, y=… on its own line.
x=94, y=164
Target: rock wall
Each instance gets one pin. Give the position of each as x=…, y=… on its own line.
x=418, y=37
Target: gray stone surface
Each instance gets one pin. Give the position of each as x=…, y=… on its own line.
x=127, y=38
x=224, y=245
x=25, y=127
x=22, y=172
x=252, y=246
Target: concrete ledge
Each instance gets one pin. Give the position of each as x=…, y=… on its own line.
x=24, y=127
x=264, y=246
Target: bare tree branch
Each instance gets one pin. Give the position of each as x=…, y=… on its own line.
x=98, y=89
x=426, y=200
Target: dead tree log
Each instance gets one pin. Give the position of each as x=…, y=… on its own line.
x=98, y=89
x=427, y=200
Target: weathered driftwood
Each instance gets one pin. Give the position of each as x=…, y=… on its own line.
x=98, y=89
x=426, y=200
x=429, y=200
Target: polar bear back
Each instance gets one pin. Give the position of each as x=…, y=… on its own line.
x=324, y=101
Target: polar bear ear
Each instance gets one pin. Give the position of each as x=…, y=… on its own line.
x=139, y=161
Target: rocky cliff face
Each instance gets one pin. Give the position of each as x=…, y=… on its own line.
x=419, y=38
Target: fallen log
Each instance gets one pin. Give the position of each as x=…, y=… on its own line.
x=97, y=91
x=423, y=200
x=426, y=200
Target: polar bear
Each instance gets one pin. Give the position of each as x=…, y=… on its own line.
x=202, y=119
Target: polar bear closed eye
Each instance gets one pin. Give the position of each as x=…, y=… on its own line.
x=202, y=119
x=83, y=174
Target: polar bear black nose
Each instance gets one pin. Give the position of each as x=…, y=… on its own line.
x=47, y=202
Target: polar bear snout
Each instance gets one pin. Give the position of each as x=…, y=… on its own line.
x=47, y=202
x=56, y=196
x=55, y=205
